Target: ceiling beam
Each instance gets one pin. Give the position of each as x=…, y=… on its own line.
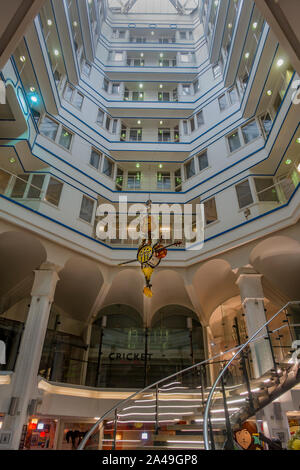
x=176, y=4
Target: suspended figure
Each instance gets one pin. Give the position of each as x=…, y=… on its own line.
x=150, y=254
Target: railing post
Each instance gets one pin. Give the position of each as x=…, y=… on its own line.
x=146, y=358
x=230, y=443
x=156, y=410
x=115, y=430
x=99, y=358
x=244, y=367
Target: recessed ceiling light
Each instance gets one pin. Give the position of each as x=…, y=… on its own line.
x=137, y=165
x=247, y=55
x=139, y=121
x=288, y=161
x=229, y=25
x=142, y=54
x=161, y=122
x=12, y=160
x=141, y=85
x=161, y=85
x=75, y=23
x=255, y=24
x=298, y=168
x=32, y=89
x=49, y=22
x=160, y=166
x=280, y=62
x=298, y=140
x=269, y=92
x=56, y=52
x=161, y=54
x=22, y=58
x=152, y=33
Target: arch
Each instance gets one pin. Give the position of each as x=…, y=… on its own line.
x=173, y=316
x=127, y=288
x=79, y=284
x=120, y=316
x=169, y=289
x=278, y=259
x=214, y=283
x=20, y=253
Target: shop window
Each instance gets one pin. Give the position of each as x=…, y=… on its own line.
x=65, y=139
x=203, y=161
x=182, y=34
x=95, y=159
x=266, y=191
x=210, y=211
x=138, y=96
x=250, y=131
x=54, y=191
x=87, y=209
x=190, y=169
x=234, y=141
x=49, y=128
x=244, y=194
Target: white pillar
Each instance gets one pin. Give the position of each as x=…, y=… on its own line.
x=252, y=297
x=24, y=382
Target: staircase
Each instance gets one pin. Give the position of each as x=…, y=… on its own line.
x=188, y=410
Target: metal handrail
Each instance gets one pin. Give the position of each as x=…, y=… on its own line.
x=156, y=384
x=223, y=371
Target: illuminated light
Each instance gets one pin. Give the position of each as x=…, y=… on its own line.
x=222, y=410
x=142, y=54
x=229, y=25
x=247, y=55
x=216, y=3
x=32, y=89
x=145, y=436
x=255, y=24
x=169, y=385
x=298, y=140
x=152, y=33
x=280, y=62
x=75, y=23
x=298, y=168
x=267, y=381
x=161, y=54
x=22, y=58
x=139, y=122
x=34, y=99
x=252, y=390
x=141, y=85
x=56, y=52
x=97, y=418
x=40, y=426
x=49, y=22
x=189, y=413
x=269, y=92
x=161, y=85
x=161, y=166
x=34, y=421
x=137, y=165
x=185, y=442
x=12, y=160
x=288, y=161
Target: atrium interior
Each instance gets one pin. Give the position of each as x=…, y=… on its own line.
x=188, y=108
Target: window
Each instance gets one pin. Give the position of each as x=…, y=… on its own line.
x=178, y=180
x=234, y=141
x=69, y=90
x=108, y=167
x=182, y=34
x=244, y=195
x=163, y=181
x=134, y=180
x=190, y=169
x=196, y=86
x=164, y=135
x=200, y=119
x=95, y=159
x=266, y=122
x=164, y=96
x=217, y=72
x=184, y=56
x=114, y=126
x=49, y=128
x=138, y=96
x=250, y=131
x=210, y=211
x=185, y=127
x=86, y=68
x=20, y=187
x=65, y=139
x=100, y=117
x=118, y=56
x=122, y=34
x=107, y=124
x=119, y=178
x=265, y=189
x=233, y=96
x=136, y=134
x=116, y=88
x=54, y=191
x=105, y=85
x=186, y=90
x=203, y=161
x=35, y=188
x=222, y=102
x=78, y=100
x=192, y=124
x=87, y=209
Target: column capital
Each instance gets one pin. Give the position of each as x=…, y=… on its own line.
x=247, y=271
x=45, y=280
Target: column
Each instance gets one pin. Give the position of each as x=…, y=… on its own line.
x=252, y=297
x=24, y=382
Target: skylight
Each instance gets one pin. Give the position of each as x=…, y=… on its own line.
x=181, y=7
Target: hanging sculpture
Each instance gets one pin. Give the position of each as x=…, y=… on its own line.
x=150, y=253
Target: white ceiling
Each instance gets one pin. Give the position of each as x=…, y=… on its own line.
x=154, y=6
